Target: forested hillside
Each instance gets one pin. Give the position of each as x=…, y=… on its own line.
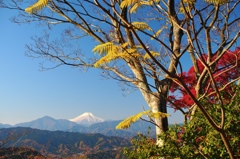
x=63, y=144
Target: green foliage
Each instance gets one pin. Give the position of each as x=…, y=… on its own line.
x=144, y=147
x=107, y=154
x=195, y=139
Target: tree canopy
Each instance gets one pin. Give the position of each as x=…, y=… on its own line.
x=146, y=45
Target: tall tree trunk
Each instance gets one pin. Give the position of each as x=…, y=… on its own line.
x=158, y=103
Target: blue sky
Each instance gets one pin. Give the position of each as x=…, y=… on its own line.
x=26, y=93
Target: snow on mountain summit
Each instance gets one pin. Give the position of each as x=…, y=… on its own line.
x=86, y=119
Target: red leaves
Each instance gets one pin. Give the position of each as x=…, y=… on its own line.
x=225, y=70
x=200, y=139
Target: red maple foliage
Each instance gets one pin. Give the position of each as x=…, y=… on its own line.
x=226, y=69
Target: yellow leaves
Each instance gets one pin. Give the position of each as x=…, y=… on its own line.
x=37, y=6
x=189, y=1
x=141, y=26
x=217, y=2
x=124, y=45
x=104, y=48
x=127, y=3
x=158, y=32
x=146, y=56
x=139, y=4
x=108, y=49
x=112, y=52
x=188, y=5
x=157, y=115
x=132, y=119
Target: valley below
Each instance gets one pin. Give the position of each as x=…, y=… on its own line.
x=47, y=137
x=59, y=144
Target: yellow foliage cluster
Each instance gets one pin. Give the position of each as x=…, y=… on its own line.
x=141, y=26
x=188, y=4
x=132, y=119
x=217, y=2
x=125, y=3
x=112, y=52
x=37, y=6
x=159, y=31
x=146, y=56
x=137, y=3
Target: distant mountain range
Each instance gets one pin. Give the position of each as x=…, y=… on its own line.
x=49, y=123
x=5, y=125
x=108, y=128
x=82, y=124
x=58, y=144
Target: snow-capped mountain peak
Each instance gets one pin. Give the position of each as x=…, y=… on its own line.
x=86, y=118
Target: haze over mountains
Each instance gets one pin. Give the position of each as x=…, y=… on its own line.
x=70, y=138
x=85, y=123
x=59, y=144
x=49, y=123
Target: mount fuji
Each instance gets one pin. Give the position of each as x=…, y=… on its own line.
x=86, y=119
